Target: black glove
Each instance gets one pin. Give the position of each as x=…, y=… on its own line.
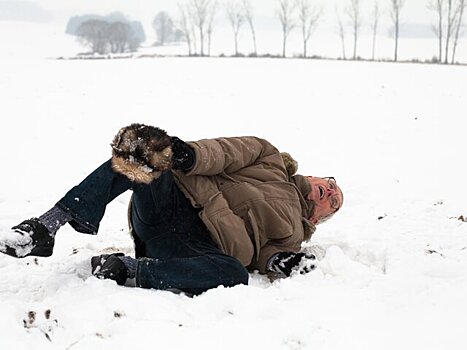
x=183, y=157
x=109, y=266
x=288, y=262
x=33, y=240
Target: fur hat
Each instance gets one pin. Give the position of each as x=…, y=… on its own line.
x=141, y=152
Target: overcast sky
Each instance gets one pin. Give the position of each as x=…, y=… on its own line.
x=413, y=11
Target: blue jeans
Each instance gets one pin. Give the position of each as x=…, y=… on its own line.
x=172, y=244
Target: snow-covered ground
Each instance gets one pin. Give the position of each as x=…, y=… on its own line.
x=393, y=135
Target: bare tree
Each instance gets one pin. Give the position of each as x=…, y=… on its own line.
x=236, y=18
x=395, y=11
x=212, y=11
x=438, y=7
x=458, y=25
x=185, y=26
x=248, y=11
x=200, y=13
x=308, y=15
x=341, y=31
x=285, y=14
x=162, y=25
x=375, y=15
x=452, y=12
x=449, y=17
x=449, y=12
x=193, y=30
x=165, y=29
x=353, y=13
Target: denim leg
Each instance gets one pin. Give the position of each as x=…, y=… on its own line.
x=194, y=275
x=87, y=201
x=179, y=252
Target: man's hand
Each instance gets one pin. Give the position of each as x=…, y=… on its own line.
x=109, y=266
x=29, y=238
x=288, y=263
x=183, y=157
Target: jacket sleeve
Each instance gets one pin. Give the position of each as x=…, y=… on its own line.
x=289, y=244
x=228, y=155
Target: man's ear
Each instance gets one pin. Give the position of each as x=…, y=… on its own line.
x=313, y=220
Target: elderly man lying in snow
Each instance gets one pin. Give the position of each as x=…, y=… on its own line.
x=202, y=213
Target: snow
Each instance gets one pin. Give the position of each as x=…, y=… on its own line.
x=393, y=135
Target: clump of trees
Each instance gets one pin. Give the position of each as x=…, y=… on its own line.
x=107, y=34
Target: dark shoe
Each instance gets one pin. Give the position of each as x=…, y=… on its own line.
x=34, y=240
x=109, y=266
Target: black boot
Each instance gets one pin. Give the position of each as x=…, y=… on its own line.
x=35, y=240
x=109, y=266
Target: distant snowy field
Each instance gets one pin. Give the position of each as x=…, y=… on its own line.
x=393, y=135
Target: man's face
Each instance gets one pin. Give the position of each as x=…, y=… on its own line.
x=327, y=197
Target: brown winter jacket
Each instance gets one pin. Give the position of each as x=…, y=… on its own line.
x=250, y=204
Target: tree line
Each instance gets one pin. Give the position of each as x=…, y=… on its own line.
x=195, y=24
x=449, y=13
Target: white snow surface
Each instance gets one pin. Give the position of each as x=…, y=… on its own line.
x=393, y=135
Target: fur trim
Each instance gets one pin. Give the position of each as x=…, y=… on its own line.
x=133, y=171
x=291, y=164
x=141, y=152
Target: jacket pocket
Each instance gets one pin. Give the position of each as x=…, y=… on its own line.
x=228, y=230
